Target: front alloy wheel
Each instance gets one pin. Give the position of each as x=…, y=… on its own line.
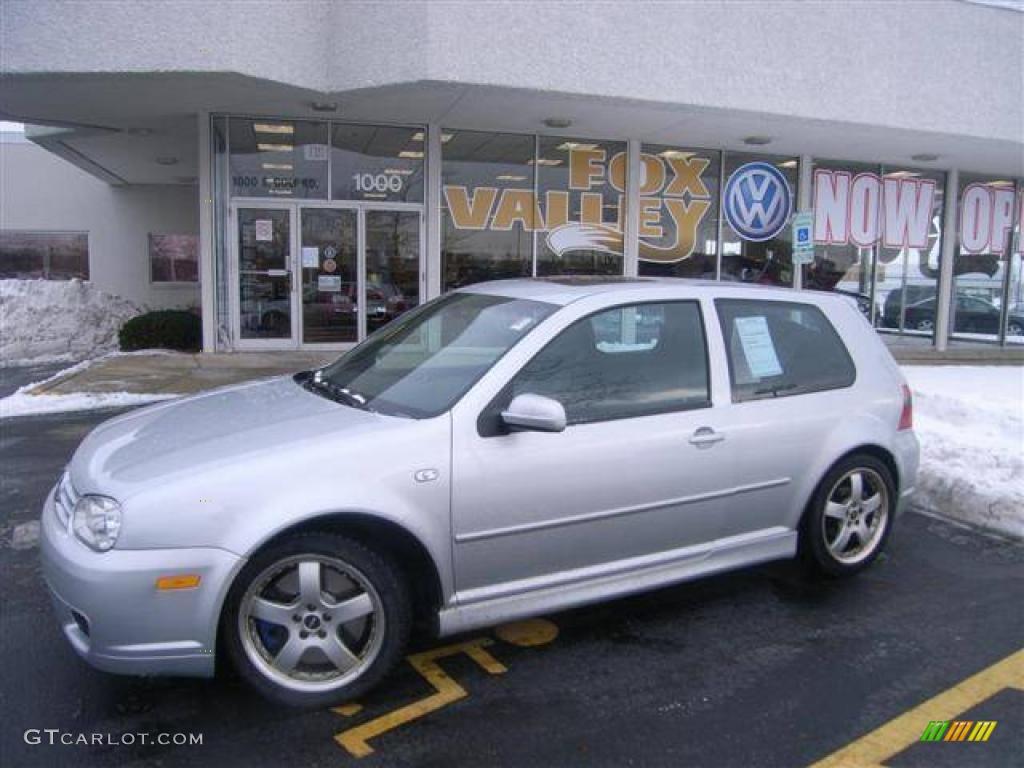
x=316, y=619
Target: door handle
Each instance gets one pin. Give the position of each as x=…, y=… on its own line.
x=705, y=437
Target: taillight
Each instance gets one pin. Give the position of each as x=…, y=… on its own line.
x=907, y=414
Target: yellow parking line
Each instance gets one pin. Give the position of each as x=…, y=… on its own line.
x=355, y=739
x=875, y=748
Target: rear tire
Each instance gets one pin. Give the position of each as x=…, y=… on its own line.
x=316, y=619
x=849, y=518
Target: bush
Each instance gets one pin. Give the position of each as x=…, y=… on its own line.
x=164, y=329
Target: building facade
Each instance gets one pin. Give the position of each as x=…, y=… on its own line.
x=354, y=159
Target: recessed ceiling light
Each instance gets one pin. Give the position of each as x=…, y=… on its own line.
x=557, y=122
x=673, y=154
x=510, y=177
x=324, y=106
x=278, y=167
x=788, y=164
x=543, y=161
x=445, y=137
x=757, y=141
x=167, y=160
x=901, y=175
x=568, y=145
x=399, y=171
x=411, y=154
x=378, y=195
x=273, y=128
x=924, y=157
x=999, y=183
x=267, y=147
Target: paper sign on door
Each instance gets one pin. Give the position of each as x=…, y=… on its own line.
x=758, y=347
x=264, y=230
x=310, y=257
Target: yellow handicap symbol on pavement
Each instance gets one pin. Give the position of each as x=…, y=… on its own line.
x=527, y=634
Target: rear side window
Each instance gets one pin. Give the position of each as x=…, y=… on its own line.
x=780, y=348
x=622, y=363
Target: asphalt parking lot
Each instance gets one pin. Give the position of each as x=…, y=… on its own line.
x=755, y=668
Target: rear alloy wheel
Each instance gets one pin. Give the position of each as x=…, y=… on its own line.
x=850, y=516
x=316, y=619
x=1014, y=329
x=925, y=325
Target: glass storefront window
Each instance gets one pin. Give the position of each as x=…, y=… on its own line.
x=844, y=261
x=581, y=186
x=392, y=265
x=678, y=228
x=909, y=250
x=987, y=207
x=377, y=163
x=44, y=255
x=488, y=211
x=278, y=158
x=757, y=242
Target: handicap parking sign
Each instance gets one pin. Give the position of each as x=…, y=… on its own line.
x=803, y=237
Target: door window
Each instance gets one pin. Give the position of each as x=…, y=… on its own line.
x=329, y=284
x=624, y=362
x=264, y=273
x=779, y=348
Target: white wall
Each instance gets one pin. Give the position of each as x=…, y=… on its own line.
x=943, y=65
x=39, y=191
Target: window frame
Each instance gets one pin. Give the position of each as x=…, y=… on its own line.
x=734, y=396
x=489, y=422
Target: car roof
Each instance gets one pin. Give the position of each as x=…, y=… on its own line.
x=566, y=289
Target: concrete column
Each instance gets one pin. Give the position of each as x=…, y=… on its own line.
x=631, y=249
x=207, y=270
x=946, y=259
x=432, y=213
x=803, y=203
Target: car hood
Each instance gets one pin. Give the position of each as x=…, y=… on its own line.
x=202, y=432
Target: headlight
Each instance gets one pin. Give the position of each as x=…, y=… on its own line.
x=97, y=521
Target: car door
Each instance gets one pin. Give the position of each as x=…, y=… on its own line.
x=635, y=473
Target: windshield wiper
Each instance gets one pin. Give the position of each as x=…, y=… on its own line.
x=338, y=394
x=775, y=390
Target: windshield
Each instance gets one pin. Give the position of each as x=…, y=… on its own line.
x=419, y=365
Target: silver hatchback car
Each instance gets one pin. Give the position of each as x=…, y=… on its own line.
x=511, y=448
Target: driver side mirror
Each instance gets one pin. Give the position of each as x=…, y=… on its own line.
x=534, y=412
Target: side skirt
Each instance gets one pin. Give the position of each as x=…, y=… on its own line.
x=493, y=605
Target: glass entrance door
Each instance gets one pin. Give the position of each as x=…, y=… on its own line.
x=324, y=275
x=264, y=259
x=329, y=250
x=360, y=270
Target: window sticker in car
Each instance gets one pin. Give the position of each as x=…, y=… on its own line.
x=758, y=348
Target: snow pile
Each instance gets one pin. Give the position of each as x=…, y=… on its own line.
x=970, y=421
x=56, y=320
x=21, y=403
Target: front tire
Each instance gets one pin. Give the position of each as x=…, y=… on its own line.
x=849, y=518
x=316, y=619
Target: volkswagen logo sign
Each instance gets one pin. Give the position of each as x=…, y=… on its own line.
x=757, y=201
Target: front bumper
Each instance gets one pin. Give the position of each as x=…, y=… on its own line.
x=115, y=618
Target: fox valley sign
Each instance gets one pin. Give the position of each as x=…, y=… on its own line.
x=673, y=201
